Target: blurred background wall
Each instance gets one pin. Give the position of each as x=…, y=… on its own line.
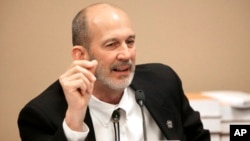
x=206, y=42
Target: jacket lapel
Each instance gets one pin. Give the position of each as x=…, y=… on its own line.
x=156, y=107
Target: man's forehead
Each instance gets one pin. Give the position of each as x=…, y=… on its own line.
x=102, y=11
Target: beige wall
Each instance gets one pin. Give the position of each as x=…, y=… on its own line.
x=206, y=42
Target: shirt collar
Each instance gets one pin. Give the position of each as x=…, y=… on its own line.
x=102, y=111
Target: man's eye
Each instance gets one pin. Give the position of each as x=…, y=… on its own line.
x=130, y=42
x=111, y=44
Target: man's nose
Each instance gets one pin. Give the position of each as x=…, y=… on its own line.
x=124, y=52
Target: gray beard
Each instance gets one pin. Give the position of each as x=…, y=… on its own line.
x=121, y=85
x=101, y=75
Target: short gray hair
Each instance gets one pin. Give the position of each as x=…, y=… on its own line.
x=81, y=34
x=80, y=31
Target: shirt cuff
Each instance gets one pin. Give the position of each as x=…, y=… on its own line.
x=75, y=135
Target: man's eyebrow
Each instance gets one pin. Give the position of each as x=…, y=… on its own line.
x=103, y=43
x=131, y=36
x=115, y=39
x=109, y=40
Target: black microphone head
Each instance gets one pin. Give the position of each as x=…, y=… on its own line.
x=140, y=97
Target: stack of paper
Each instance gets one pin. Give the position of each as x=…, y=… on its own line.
x=235, y=99
x=235, y=109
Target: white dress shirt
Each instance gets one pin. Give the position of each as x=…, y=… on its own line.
x=131, y=128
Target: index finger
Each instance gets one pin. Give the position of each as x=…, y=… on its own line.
x=84, y=63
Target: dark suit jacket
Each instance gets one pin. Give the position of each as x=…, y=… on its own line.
x=41, y=119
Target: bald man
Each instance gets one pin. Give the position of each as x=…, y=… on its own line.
x=104, y=78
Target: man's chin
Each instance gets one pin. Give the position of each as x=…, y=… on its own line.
x=121, y=83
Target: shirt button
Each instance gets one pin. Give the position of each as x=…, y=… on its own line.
x=106, y=125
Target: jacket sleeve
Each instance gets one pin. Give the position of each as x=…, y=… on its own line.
x=191, y=119
x=34, y=126
x=192, y=124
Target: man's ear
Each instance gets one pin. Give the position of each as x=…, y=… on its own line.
x=79, y=53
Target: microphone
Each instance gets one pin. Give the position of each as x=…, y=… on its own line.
x=115, y=118
x=140, y=99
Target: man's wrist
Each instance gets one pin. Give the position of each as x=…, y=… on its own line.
x=73, y=135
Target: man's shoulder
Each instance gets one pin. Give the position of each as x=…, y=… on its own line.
x=152, y=65
x=50, y=96
x=153, y=73
x=157, y=68
x=50, y=104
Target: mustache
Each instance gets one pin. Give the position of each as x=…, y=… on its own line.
x=128, y=64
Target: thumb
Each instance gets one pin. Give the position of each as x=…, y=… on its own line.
x=93, y=69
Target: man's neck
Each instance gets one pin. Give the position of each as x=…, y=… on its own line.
x=106, y=94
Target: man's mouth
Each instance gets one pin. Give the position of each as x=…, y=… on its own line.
x=121, y=68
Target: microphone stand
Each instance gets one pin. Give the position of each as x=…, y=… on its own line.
x=140, y=98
